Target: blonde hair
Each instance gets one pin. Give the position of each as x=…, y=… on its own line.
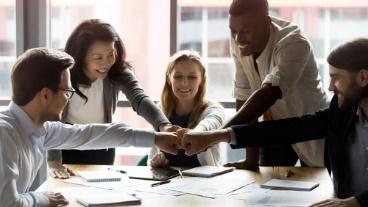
x=169, y=100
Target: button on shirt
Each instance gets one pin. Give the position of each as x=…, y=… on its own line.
x=22, y=147
x=358, y=154
x=287, y=62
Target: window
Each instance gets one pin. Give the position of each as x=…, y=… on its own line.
x=7, y=46
x=144, y=27
x=325, y=25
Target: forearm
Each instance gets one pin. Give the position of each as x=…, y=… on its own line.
x=151, y=113
x=279, y=132
x=256, y=105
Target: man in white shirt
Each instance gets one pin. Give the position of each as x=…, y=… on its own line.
x=276, y=76
x=41, y=88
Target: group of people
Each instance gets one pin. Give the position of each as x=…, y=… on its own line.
x=276, y=80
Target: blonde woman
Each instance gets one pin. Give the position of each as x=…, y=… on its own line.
x=183, y=101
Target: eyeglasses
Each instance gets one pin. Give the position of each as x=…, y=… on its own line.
x=68, y=92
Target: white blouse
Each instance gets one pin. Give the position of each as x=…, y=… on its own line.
x=90, y=112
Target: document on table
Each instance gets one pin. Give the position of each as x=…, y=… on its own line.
x=124, y=183
x=254, y=195
x=208, y=187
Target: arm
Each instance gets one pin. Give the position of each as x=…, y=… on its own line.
x=141, y=103
x=278, y=132
x=283, y=131
x=335, y=202
x=254, y=107
x=101, y=136
x=211, y=118
x=14, y=182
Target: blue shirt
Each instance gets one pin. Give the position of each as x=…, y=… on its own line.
x=22, y=147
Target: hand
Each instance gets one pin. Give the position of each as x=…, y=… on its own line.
x=57, y=170
x=168, y=142
x=167, y=127
x=56, y=199
x=243, y=164
x=195, y=142
x=335, y=202
x=159, y=160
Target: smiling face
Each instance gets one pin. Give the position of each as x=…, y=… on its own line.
x=99, y=59
x=56, y=101
x=185, y=80
x=250, y=32
x=347, y=87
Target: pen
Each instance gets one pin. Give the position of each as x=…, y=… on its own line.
x=160, y=183
x=120, y=171
x=180, y=173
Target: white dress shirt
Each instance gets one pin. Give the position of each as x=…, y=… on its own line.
x=22, y=147
x=287, y=62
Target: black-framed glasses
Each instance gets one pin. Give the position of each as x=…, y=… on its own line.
x=69, y=92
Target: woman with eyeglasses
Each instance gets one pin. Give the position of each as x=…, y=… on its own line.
x=99, y=74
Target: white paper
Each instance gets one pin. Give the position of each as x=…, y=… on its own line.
x=124, y=183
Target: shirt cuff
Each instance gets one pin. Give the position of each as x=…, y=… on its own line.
x=41, y=199
x=233, y=140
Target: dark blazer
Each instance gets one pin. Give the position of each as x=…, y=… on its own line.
x=335, y=125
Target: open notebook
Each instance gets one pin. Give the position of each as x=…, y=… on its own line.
x=279, y=184
x=100, y=176
x=108, y=199
x=207, y=171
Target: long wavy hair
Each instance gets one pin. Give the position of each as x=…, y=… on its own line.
x=169, y=100
x=81, y=39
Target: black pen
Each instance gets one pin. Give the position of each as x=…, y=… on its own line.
x=160, y=183
x=120, y=171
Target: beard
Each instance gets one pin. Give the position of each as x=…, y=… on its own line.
x=353, y=98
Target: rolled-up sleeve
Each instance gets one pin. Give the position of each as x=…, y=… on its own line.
x=289, y=64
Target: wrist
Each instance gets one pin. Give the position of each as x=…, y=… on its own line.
x=163, y=126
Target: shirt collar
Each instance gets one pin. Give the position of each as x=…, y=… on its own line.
x=25, y=122
x=265, y=53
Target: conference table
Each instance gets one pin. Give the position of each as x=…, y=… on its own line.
x=320, y=175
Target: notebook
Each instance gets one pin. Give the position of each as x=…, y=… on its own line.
x=207, y=171
x=100, y=176
x=289, y=185
x=145, y=173
x=108, y=199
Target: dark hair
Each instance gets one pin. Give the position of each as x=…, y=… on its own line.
x=36, y=69
x=352, y=55
x=77, y=45
x=240, y=7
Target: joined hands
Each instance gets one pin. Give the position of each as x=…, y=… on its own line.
x=191, y=141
